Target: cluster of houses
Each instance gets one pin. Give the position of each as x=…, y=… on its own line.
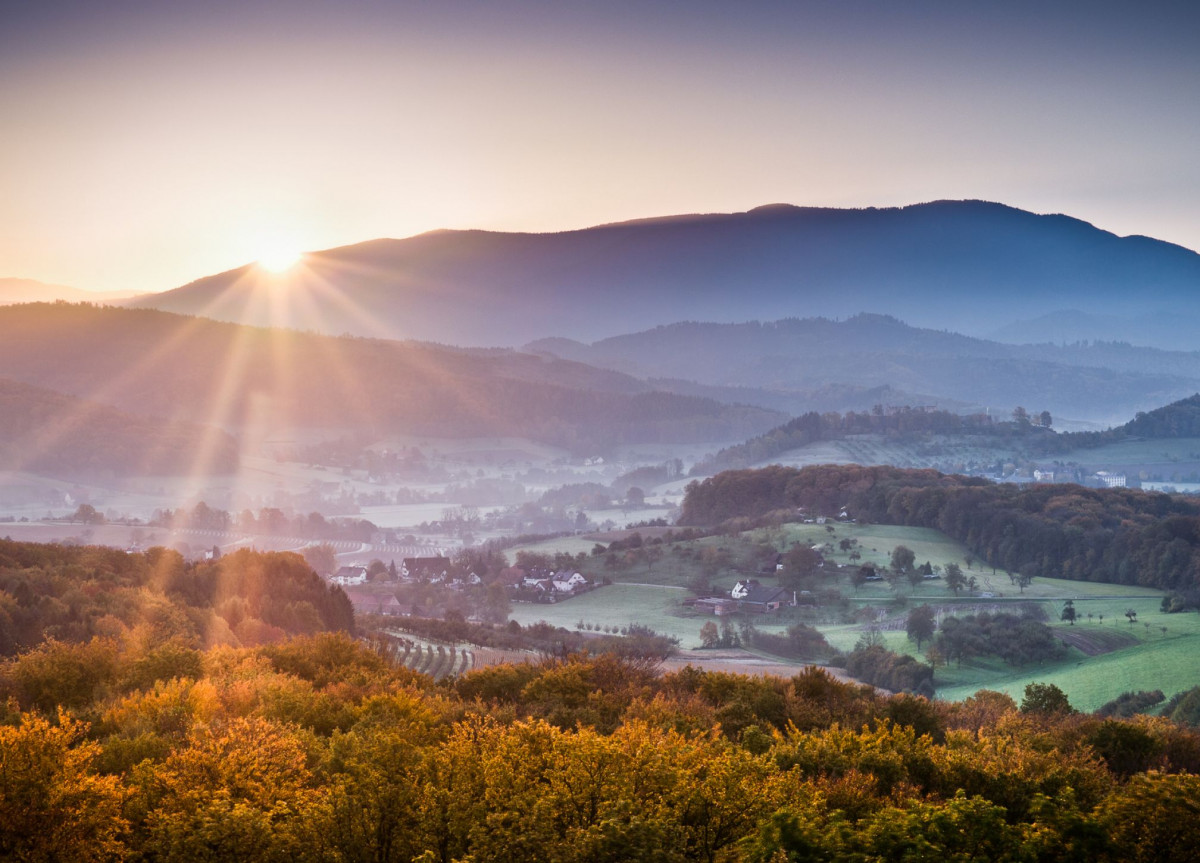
x=538, y=584
x=434, y=570
x=747, y=595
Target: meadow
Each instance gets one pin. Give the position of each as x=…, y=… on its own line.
x=1125, y=656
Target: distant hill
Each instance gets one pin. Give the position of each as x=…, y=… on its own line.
x=256, y=380
x=1179, y=419
x=53, y=434
x=32, y=291
x=970, y=266
x=1102, y=382
x=1172, y=329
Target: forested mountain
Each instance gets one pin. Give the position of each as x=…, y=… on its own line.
x=57, y=435
x=965, y=265
x=1115, y=535
x=1100, y=382
x=192, y=369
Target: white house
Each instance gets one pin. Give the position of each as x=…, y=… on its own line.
x=350, y=575
x=568, y=583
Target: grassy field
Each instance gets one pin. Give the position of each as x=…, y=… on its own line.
x=655, y=606
x=1140, y=656
x=1138, y=452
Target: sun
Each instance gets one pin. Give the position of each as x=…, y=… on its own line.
x=278, y=256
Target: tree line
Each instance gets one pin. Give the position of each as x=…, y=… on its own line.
x=1117, y=535
x=319, y=749
x=74, y=594
x=1032, y=431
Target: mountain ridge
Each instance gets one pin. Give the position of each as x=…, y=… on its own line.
x=963, y=265
x=1097, y=382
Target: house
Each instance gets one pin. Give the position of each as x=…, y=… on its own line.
x=1111, y=480
x=1043, y=475
x=758, y=598
x=433, y=569
x=350, y=575
x=391, y=607
x=568, y=583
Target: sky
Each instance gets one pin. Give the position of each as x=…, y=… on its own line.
x=147, y=144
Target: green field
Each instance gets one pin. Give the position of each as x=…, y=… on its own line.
x=1144, y=656
x=1159, y=451
x=618, y=605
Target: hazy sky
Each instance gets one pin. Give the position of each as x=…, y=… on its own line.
x=145, y=144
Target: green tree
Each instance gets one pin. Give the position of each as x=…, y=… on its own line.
x=1045, y=698
x=1068, y=612
x=87, y=514
x=955, y=580
x=799, y=562
x=903, y=558
x=859, y=577
x=920, y=624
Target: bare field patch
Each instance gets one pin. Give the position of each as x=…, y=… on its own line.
x=737, y=661
x=1093, y=642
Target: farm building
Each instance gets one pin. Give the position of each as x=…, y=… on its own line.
x=758, y=598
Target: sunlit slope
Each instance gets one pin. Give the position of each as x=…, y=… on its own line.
x=49, y=433
x=245, y=378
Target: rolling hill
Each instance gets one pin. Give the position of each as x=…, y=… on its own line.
x=1099, y=383
x=57, y=435
x=970, y=266
x=258, y=381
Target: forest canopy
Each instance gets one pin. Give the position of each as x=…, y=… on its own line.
x=1115, y=535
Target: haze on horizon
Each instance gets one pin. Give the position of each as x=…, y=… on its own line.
x=158, y=142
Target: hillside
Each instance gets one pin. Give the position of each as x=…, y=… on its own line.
x=57, y=435
x=966, y=265
x=190, y=369
x=1114, y=535
x=1098, y=382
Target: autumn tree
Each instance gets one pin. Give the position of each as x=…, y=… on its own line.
x=53, y=804
x=321, y=558
x=237, y=790
x=1045, y=698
